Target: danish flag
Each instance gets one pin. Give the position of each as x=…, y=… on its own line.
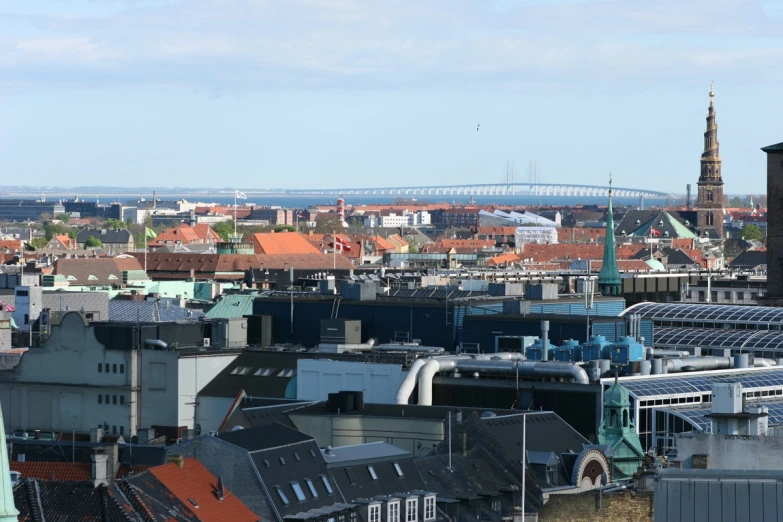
x=654, y=232
x=341, y=245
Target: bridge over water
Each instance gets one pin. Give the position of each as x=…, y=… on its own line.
x=488, y=189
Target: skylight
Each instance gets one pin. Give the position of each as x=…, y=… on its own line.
x=372, y=472
x=311, y=486
x=242, y=370
x=327, y=484
x=282, y=494
x=300, y=496
x=398, y=469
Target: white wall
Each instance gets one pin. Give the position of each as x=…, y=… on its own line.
x=316, y=379
x=195, y=373
x=210, y=412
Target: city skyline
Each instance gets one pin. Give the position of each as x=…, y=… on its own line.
x=339, y=93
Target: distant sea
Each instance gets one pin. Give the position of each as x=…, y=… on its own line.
x=295, y=201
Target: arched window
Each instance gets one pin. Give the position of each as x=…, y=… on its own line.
x=710, y=219
x=613, y=419
x=625, y=418
x=709, y=195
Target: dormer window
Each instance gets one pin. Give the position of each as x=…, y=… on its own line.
x=429, y=508
x=375, y=513
x=411, y=507
x=393, y=512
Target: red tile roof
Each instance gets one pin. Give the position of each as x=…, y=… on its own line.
x=544, y=253
x=67, y=471
x=95, y=271
x=504, y=259
x=183, y=234
x=14, y=245
x=272, y=243
x=496, y=231
x=580, y=235
x=194, y=481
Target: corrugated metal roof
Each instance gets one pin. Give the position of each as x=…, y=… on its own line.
x=236, y=305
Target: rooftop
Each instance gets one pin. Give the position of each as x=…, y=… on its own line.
x=363, y=452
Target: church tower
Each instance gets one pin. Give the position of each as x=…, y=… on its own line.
x=709, y=202
x=618, y=431
x=609, y=280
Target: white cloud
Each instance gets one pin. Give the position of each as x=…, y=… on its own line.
x=255, y=44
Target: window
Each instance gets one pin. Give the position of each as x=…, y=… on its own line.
x=497, y=505
x=114, y=399
x=100, y=367
x=393, y=514
x=266, y=463
x=22, y=293
x=264, y=372
x=107, y=399
x=113, y=368
x=282, y=461
x=122, y=399
x=100, y=399
x=122, y=368
x=398, y=469
x=701, y=296
x=411, y=505
x=327, y=484
x=375, y=513
x=300, y=496
x=373, y=475
x=122, y=430
x=349, y=473
x=312, y=453
x=311, y=487
x=241, y=370
x=282, y=494
x=296, y=457
x=107, y=368
x=727, y=296
x=429, y=508
x=754, y=295
x=114, y=430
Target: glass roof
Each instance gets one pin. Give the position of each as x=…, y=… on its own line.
x=696, y=415
x=690, y=383
x=749, y=339
x=686, y=312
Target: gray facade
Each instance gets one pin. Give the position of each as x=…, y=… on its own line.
x=74, y=382
x=718, y=495
x=28, y=209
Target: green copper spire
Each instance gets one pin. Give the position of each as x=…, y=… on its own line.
x=609, y=282
x=8, y=512
x=618, y=431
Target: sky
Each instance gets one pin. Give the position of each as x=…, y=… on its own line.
x=368, y=93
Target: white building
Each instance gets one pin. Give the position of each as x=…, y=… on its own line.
x=75, y=382
x=317, y=378
x=394, y=220
x=542, y=235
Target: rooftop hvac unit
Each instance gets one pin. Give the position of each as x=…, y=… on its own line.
x=207, y=342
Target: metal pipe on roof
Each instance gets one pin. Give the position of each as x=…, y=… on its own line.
x=528, y=368
x=683, y=364
x=660, y=353
x=409, y=383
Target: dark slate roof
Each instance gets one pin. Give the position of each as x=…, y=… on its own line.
x=142, y=455
x=778, y=147
x=149, y=311
x=629, y=224
x=107, y=236
x=749, y=259
x=280, y=467
x=55, y=500
x=355, y=481
x=248, y=415
x=546, y=431
x=265, y=437
x=475, y=473
x=401, y=410
x=675, y=256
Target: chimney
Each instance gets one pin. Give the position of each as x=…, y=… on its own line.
x=112, y=452
x=179, y=460
x=96, y=434
x=99, y=467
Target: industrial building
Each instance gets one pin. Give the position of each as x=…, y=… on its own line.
x=28, y=209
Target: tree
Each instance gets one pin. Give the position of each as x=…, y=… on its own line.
x=285, y=228
x=224, y=229
x=736, y=202
x=63, y=217
x=56, y=229
x=751, y=233
x=115, y=223
x=328, y=225
x=93, y=242
x=38, y=242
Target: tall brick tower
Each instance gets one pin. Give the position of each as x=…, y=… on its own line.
x=709, y=202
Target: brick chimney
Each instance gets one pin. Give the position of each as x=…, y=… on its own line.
x=179, y=460
x=99, y=462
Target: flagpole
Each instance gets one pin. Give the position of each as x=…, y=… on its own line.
x=235, y=212
x=334, y=252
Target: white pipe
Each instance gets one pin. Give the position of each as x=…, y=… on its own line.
x=428, y=371
x=529, y=368
x=658, y=352
x=409, y=383
x=760, y=361
x=342, y=347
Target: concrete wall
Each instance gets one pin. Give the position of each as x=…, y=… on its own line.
x=615, y=507
x=731, y=451
x=210, y=412
x=318, y=378
x=418, y=436
x=195, y=372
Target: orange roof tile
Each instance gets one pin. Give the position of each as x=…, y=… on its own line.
x=504, y=259
x=183, y=234
x=383, y=244
x=66, y=471
x=579, y=235
x=194, y=481
x=282, y=243
x=205, y=233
